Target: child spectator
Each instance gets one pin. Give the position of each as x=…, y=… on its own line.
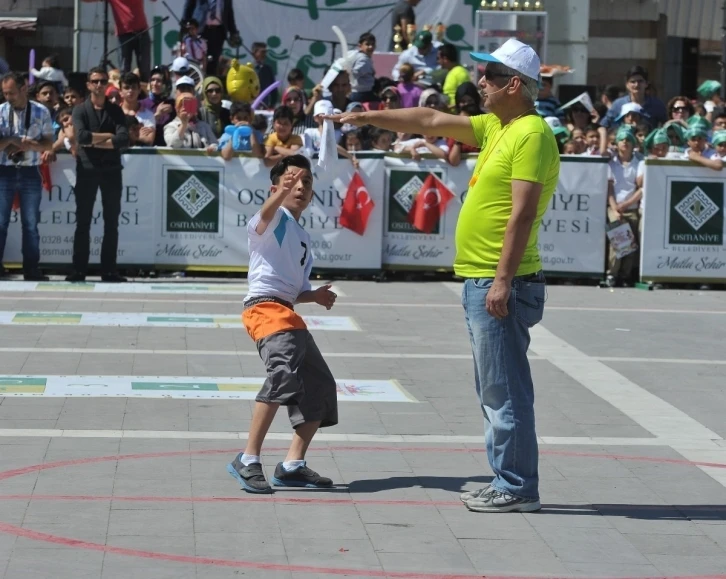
x=547, y=104
x=296, y=79
x=623, y=201
x=641, y=132
x=51, y=71
x=113, y=94
x=313, y=137
x=66, y=140
x=259, y=124
x=46, y=94
x=131, y=106
x=592, y=140
x=72, y=97
x=379, y=139
x=457, y=148
x=351, y=140
x=630, y=115
x=718, y=140
x=281, y=142
x=697, y=151
x=194, y=46
x=578, y=137
x=363, y=76
x=656, y=144
x=569, y=148
x=134, y=128
x=408, y=91
x=240, y=136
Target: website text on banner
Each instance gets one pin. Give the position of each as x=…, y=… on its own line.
x=571, y=238
x=191, y=211
x=683, y=223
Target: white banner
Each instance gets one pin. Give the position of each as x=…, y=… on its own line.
x=191, y=211
x=683, y=223
x=571, y=237
x=278, y=22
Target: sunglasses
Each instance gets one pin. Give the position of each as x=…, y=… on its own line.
x=214, y=91
x=489, y=76
x=680, y=109
x=101, y=81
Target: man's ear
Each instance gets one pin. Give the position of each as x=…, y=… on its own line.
x=273, y=189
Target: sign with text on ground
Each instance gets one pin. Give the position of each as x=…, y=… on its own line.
x=353, y=390
x=165, y=320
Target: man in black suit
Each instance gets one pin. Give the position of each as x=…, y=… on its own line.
x=101, y=133
x=216, y=21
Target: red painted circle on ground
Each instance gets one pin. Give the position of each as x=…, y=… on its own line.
x=90, y=546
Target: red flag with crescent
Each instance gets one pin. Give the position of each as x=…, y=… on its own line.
x=429, y=204
x=357, y=206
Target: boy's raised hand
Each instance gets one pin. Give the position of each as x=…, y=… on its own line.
x=324, y=297
x=288, y=181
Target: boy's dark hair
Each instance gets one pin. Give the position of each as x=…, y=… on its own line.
x=450, y=52
x=283, y=112
x=238, y=108
x=642, y=128
x=258, y=45
x=53, y=60
x=471, y=109
x=590, y=128
x=65, y=111
x=295, y=75
x=193, y=22
x=366, y=36
x=42, y=84
x=718, y=112
x=131, y=121
x=259, y=123
x=300, y=161
x=96, y=70
x=637, y=70
x=130, y=79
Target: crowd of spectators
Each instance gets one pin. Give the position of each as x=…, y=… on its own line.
x=168, y=109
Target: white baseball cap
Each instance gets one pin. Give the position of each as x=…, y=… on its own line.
x=514, y=54
x=180, y=64
x=629, y=108
x=185, y=80
x=323, y=107
x=553, y=122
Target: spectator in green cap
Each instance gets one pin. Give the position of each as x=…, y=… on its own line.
x=624, y=202
x=719, y=142
x=422, y=55
x=710, y=91
x=698, y=152
x=656, y=144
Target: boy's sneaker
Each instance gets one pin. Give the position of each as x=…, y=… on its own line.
x=478, y=493
x=251, y=477
x=494, y=501
x=300, y=477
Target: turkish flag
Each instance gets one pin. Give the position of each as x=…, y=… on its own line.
x=430, y=204
x=357, y=206
x=45, y=180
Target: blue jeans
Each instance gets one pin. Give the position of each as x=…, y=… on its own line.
x=26, y=181
x=504, y=381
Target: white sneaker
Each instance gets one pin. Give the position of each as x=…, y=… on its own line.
x=498, y=502
x=465, y=496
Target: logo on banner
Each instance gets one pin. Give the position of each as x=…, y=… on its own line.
x=696, y=213
x=403, y=187
x=192, y=201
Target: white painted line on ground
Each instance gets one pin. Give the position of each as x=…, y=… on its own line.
x=149, y=287
x=321, y=437
x=163, y=320
x=686, y=435
x=186, y=387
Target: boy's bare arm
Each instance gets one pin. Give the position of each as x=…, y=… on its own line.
x=279, y=192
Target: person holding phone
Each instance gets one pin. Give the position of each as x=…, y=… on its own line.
x=186, y=131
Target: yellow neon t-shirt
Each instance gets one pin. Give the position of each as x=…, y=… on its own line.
x=524, y=150
x=455, y=78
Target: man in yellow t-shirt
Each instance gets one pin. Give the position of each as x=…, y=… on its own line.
x=448, y=59
x=496, y=252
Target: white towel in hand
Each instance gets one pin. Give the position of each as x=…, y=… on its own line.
x=328, y=146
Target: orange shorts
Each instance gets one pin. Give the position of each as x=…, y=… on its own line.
x=267, y=318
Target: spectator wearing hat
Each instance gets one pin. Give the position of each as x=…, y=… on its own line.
x=363, y=75
x=710, y=91
x=630, y=115
x=131, y=106
x=448, y=59
x=179, y=68
x=391, y=99
x=313, y=138
x=159, y=103
x=186, y=131
x=402, y=15
x=26, y=132
x=101, y=134
x=216, y=24
x=718, y=140
x=636, y=81
x=697, y=151
x=422, y=55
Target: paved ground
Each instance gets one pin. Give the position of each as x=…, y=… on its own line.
x=631, y=399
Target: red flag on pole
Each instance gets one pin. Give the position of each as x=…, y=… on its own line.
x=429, y=204
x=357, y=206
x=46, y=183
